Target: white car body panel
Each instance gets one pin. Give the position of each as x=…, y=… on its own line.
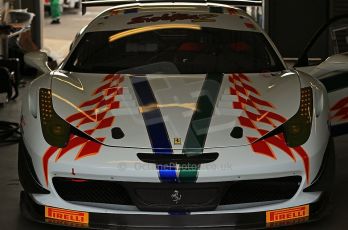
x=68, y=96
x=339, y=98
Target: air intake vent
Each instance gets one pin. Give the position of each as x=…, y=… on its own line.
x=193, y=196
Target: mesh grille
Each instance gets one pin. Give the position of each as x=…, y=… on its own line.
x=95, y=191
x=237, y=192
x=261, y=190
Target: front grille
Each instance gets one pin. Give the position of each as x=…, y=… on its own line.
x=249, y=191
x=95, y=191
x=143, y=194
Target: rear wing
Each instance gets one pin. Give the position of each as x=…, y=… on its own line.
x=95, y=3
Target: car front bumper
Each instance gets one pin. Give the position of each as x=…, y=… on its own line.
x=250, y=220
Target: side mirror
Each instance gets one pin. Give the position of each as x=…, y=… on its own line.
x=37, y=60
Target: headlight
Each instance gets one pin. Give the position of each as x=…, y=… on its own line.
x=298, y=128
x=55, y=130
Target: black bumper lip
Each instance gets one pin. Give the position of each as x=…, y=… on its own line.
x=255, y=220
x=26, y=172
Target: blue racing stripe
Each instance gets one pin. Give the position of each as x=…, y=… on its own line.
x=155, y=126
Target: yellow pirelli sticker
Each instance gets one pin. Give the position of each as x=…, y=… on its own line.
x=66, y=215
x=287, y=214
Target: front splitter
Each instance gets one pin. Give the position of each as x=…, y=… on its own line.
x=252, y=220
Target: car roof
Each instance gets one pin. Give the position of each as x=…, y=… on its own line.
x=127, y=16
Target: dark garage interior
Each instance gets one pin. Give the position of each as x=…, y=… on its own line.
x=292, y=25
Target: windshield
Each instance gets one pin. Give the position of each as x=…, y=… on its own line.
x=174, y=51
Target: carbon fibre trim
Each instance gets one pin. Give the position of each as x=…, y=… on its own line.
x=178, y=158
x=26, y=172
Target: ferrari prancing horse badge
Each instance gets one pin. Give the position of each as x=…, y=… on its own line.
x=177, y=141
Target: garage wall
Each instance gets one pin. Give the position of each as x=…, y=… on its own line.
x=339, y=7
x=291, y=24
x=340, y=29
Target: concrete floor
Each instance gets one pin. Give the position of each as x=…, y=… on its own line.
x=57, y=38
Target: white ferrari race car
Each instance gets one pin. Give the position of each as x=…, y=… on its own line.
x=172, y=115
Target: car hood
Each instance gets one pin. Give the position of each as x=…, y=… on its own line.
x=160, y=111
